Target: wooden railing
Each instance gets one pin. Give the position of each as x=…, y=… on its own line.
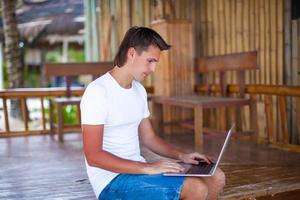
x=280, y=107
x=274, y=98
x=23, y=94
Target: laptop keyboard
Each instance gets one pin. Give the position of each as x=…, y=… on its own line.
x=201, y=168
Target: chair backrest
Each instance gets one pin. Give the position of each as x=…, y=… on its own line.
x=68, y=70
x=239, y=62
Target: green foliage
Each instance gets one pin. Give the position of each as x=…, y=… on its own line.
x=76, y=55
x=53, y=56
x=73, y=56
x=69, y=114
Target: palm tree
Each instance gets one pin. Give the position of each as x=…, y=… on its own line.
x=12, y=52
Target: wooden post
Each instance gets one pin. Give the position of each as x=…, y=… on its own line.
x=174, y=74
x=293, y=130
x=51, y=117
x=60, y=122
x=43, y=113
x=288, y=57
x=24, y=112
x=6, y=118
x=269, y=117
x=284, y=127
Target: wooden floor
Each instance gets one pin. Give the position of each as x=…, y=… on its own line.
x=39, y=167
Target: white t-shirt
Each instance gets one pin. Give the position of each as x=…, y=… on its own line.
x=121, y=111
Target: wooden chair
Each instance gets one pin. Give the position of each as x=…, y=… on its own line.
x=69, y=70
x=222, y=64
x=239, y=62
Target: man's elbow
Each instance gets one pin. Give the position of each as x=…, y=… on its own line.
x=91, y=159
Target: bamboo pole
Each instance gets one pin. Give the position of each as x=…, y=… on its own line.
x=246, y=32
x=239, y=27
x=234, y=32
x=252, y=35
x=113, y=29
x=221, y=19
x=280, y=47
x=228, y=22
x=273, y=37
x=215, y=28
x=147, y=16
x=204, y=26
x=257, y=38
x=267, y=43
x=262, y=42
x=287, y=41
x=119, y=22
x=209, y=28
x=216, y=36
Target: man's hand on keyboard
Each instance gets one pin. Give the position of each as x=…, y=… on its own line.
x=194, y=158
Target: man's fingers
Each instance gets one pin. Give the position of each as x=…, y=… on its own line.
x=202, y=157
x=169, y=165
x=195, y=162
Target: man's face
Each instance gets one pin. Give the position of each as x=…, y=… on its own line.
x=144, y=64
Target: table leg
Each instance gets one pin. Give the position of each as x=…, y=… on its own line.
x=253, y=120
x=157, y=118
x=198, y=124
x=60, y=122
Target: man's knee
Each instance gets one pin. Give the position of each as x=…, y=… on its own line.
x=194, y=188
x=219, y=178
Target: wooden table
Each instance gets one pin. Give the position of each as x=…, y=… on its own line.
x=198, y=103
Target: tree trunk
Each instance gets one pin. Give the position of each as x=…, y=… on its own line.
x=12, y=52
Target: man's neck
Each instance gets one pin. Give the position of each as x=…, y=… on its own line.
x=121, y=75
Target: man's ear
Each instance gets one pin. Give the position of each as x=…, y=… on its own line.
x=131, y=53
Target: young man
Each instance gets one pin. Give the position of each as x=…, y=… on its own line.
x=115, y=117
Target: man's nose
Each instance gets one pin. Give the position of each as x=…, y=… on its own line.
x=152, y=67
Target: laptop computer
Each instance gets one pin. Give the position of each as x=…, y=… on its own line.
x=203, y=169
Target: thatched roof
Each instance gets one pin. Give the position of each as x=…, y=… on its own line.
x=38, y=19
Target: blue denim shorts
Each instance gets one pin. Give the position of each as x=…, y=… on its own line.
x=136, y=186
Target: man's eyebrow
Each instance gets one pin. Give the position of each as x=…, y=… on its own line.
x=152, y=59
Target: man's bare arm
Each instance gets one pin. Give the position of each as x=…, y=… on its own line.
x=157, y=145
x=97, y=157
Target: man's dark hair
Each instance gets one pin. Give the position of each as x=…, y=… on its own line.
x=140, y=38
